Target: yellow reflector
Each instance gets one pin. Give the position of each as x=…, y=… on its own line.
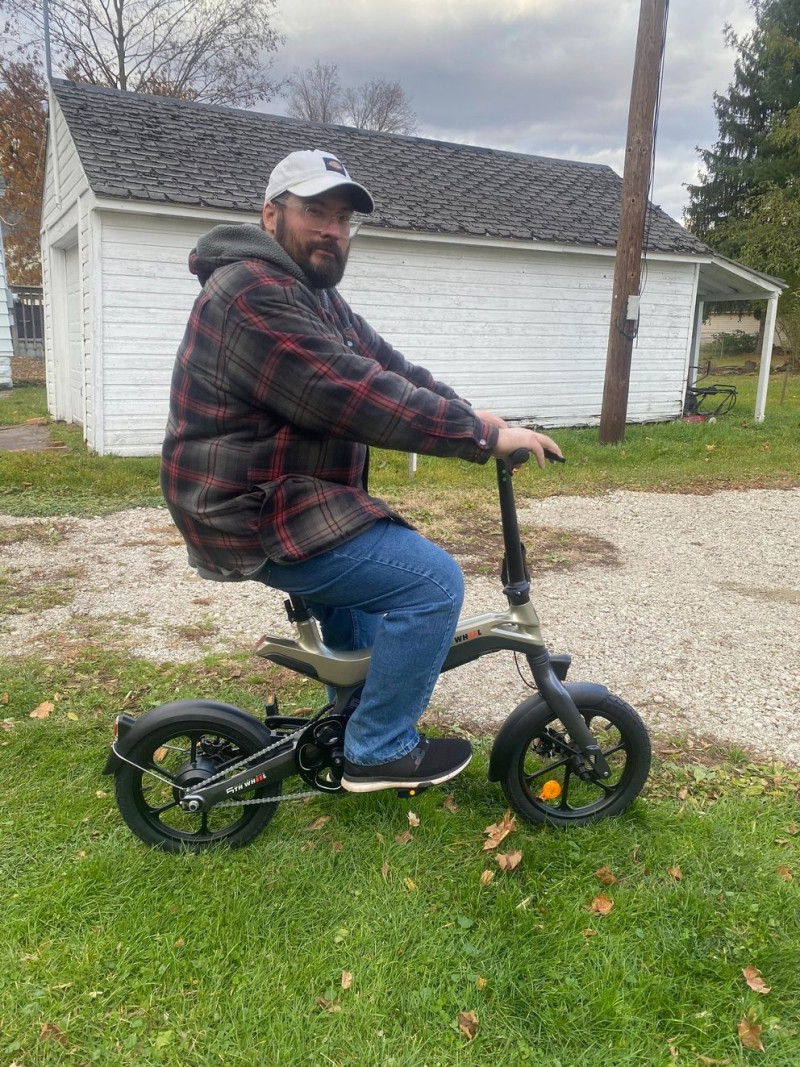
x=550, y=790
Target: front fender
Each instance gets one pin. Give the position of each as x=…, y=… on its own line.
x=512, y=732
x=205, y=711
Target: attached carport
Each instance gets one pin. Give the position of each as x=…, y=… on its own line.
x=720, y=279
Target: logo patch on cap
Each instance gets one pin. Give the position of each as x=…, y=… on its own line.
x=335, y=164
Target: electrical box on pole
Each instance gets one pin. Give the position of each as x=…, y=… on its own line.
x=633, y=210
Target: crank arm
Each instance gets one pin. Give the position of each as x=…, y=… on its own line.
x=561, y=704
x=272, y=769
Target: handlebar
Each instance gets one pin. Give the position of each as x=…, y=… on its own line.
x=520, y=456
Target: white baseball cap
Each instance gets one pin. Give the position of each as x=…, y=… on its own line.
x=314, y=172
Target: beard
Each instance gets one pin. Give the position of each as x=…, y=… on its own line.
x=321, y=260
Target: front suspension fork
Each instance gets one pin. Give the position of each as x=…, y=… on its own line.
x=561, y=704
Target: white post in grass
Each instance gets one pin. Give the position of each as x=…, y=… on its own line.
x=412, y=465
x=766, y=358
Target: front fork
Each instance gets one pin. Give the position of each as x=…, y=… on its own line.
x=561, y=704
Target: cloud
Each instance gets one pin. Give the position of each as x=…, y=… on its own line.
x=546, y=77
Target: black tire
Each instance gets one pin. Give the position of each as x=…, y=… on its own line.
x=189, y=751
x=546, y=754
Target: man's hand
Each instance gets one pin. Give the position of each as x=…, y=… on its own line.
x=509, y=439
x=492, y=419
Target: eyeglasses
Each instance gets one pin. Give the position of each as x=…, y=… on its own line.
x=318, y=219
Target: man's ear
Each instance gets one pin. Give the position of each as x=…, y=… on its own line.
x=269, y=217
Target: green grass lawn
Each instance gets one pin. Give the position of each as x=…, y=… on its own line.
x=732, y=452
x=114, y=954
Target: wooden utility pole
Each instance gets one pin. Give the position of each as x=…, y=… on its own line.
x=635, y=186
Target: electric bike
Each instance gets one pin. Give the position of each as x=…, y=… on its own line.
x=195, y=773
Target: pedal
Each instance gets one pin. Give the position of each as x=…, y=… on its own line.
x=271, y=705
x=408, y=793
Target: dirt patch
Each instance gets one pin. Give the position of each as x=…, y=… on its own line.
x=46, y=533
x=547, y=548
x=26, y=438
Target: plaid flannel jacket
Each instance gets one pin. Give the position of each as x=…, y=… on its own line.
x=277, y=391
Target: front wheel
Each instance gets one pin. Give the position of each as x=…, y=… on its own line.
x=547, y=779
x=179, y=756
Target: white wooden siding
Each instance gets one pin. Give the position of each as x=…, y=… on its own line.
x=148, y=293
x=520, y=332
x=66, y=212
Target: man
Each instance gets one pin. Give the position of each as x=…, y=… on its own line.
x=278, y=390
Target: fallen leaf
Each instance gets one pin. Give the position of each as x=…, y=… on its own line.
x=683, y=793
x=347, y=979
x=550, y=790
x=4, y=698
x=602, y=904
x=160, y=754
x=101, y=794
x=675, y=872
x=499, y=831
x=507, y=861
x=337, y=846
x=331, y=1006
x=385, y=869
x=309, y=846
x=712, y=1062
x=487, y=877
x=785, y=874
x=43, y=711
x=7, y=725
x=94, y=994
x=750, y=1033
x=317, y=824
x=605, y=877
x=405, y=837
x=481, y=984
x=450, y=803
x=180, y=943
x=72, y=716
x=711, y=448
x=789, y=829
x=589, y=932
x=413, y=820
x=752, y=976
x=51, y=1032
x=468, y=1023
x=526, y=903
x=410, y=884
x=673, y=1051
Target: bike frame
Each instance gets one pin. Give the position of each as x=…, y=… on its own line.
x=516, y=629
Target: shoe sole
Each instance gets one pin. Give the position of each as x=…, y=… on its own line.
x=373, y=785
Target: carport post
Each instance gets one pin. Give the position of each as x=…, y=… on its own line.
x=766, y=358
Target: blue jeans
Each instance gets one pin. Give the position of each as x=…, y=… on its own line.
x=393, y=590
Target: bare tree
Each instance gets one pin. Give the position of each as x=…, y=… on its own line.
x=379, y=105
x=211, y=50
x=315, y=94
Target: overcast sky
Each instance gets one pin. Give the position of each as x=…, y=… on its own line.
x=546, y=77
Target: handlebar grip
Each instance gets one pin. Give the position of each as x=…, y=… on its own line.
x=518, y=458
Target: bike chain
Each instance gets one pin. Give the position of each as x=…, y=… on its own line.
x=247, y=759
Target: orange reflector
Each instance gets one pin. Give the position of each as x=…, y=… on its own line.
x=550, y=790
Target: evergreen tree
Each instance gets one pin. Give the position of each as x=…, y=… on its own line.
x=752, y=157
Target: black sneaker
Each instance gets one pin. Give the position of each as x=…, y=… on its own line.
x=433, y=761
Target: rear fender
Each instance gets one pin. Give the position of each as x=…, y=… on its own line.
x=212, y=712
x=512, y=732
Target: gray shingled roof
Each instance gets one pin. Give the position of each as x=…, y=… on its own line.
x=153, y=148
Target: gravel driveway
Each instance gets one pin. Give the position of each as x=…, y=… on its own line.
x=697, y=624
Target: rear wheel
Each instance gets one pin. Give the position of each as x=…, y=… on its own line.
x=182, y=756
x=548, y=781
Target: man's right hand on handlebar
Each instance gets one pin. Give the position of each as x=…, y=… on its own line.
x=511, y=438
